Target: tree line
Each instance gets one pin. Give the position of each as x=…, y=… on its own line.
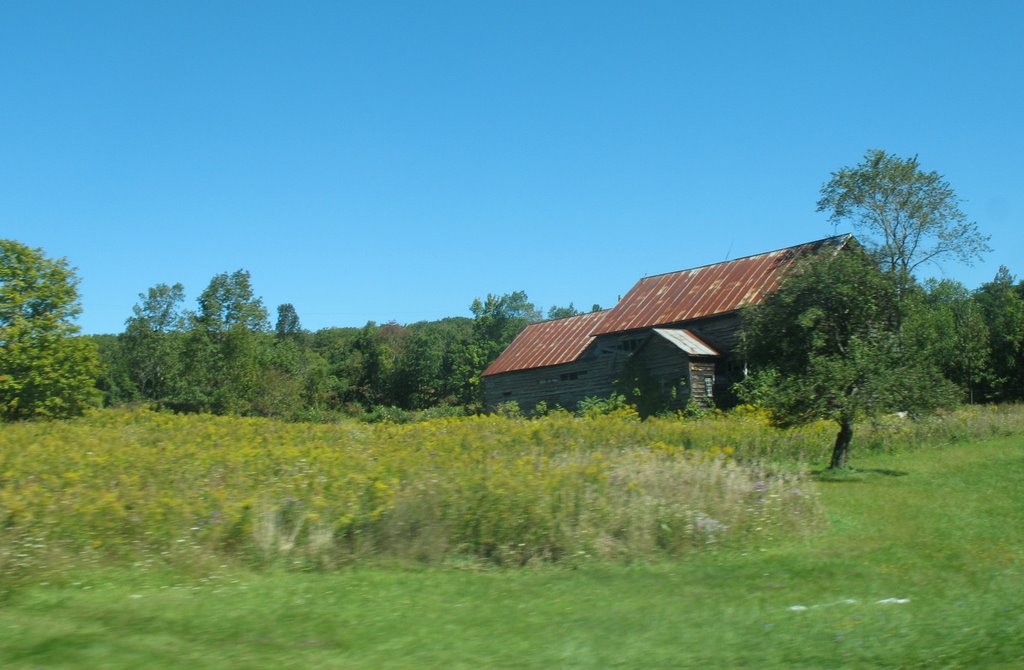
x=226, y=357
x=855, y=336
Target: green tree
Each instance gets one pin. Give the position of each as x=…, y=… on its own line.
x=907, y=216
x=1002, y=305
x=335, y=346
x=424, y=375
x=497, y=321
x=45, y=370
x=115, y=379
x=226, y=349
x=824, y=346
x=294, y=378
x=375, y=353
x=229, y=303
x=287, y=321
x=945, y=324
x=161, y=308
x=563, y=312
x=153, y=339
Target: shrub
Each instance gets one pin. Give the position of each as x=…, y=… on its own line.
x=594, y=406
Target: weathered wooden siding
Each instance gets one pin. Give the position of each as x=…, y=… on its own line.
x=563, y=385
x=721, y=332
x=596, y=372
x=667, y=366
x=674, y=370
x=701, y=371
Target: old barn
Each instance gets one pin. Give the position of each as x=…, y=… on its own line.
x=674, y=336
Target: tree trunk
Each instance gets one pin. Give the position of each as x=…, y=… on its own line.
x=841, y=450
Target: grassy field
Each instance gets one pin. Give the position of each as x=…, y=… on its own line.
x=917, y=562
x=164, y=490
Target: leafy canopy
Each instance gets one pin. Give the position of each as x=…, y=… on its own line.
x=908, y=215
x=563, y=312
x=945, y=324
x=287, y=321
x=825, y=346
x=151, y=343
x=44, y=370
x=1001, y=302
x=229, y=302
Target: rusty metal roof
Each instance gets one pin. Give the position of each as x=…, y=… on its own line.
x=706, y=291
x=548, y=343
x=686, y=341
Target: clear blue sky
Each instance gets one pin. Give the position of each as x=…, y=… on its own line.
x=384, y=160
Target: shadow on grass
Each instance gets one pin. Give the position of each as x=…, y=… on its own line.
x=854, y=475
x=59, y=648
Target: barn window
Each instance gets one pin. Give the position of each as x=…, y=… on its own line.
x=569, y=376
x=629, y=345
x=709, y=385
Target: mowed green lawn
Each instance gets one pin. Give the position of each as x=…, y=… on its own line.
x=922, y=565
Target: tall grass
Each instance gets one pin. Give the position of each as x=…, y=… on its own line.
x=136, y=487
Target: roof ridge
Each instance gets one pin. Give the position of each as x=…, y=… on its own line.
x=574, y=316
x=670, y=298
x=740, y=258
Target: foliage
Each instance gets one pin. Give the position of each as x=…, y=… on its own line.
x=45, y=371
x=1001, y=303
x=287, y=321
x=414, y=367
x=229, y=303
x=426, y=370
x=225, y=348
x=945, y=324
x=152, y=341
x=694, y=409
x=153, y=486
x=115, y=377
x=910, y=216
x=497, y=320
x=563, y=312
x=217, y=362
x=510, y=409
x=294, y=379
x=156, y=489
x=825, y=346
x=224, y=358
x=930, y=578
x=614, y=404
x=392, y=414
x=160, y=309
